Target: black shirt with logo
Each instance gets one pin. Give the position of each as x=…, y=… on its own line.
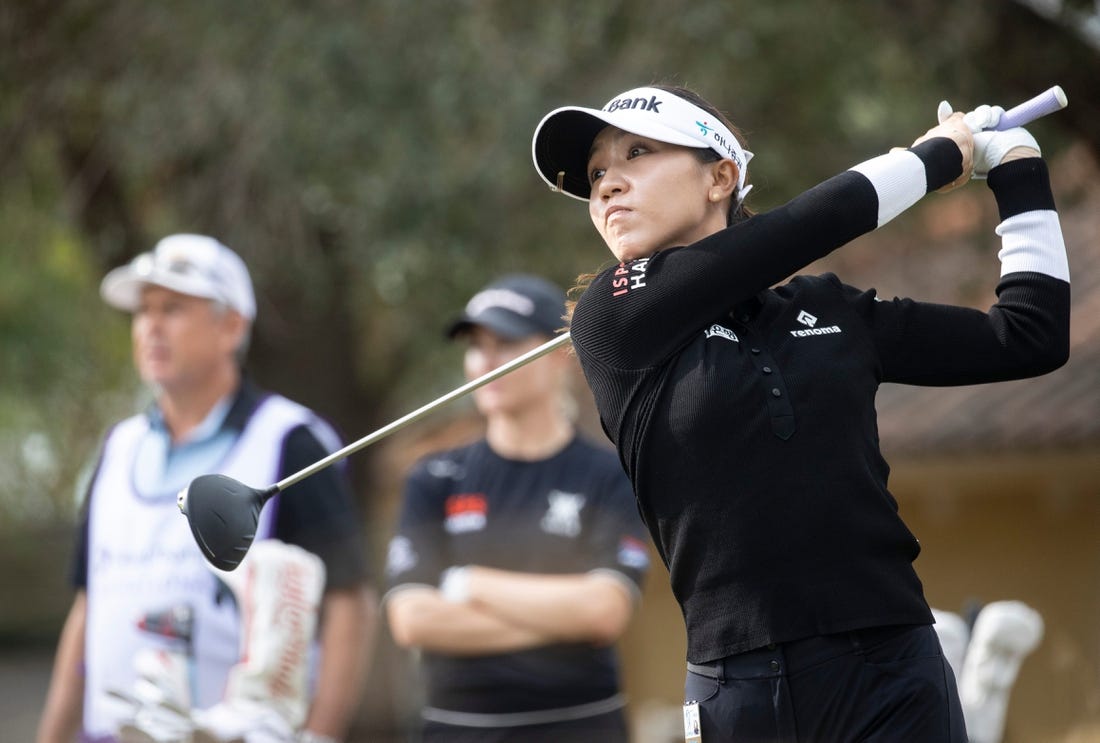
x=745, y=415
x=571, y=513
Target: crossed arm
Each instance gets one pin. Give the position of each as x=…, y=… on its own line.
x=507, y=611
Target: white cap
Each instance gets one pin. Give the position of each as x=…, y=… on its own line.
x=196, y=265
x=564, y=137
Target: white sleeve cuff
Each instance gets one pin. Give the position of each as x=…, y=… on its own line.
x=899, y=180
x=1033, y=241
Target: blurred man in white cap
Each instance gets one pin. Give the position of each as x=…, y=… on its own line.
x=136, y=563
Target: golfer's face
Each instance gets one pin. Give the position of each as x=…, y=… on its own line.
x=515, y=391
x=647, y=195
x=178, y=340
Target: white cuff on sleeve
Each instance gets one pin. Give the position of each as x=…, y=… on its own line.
x=899, y=180
x=1033, y=241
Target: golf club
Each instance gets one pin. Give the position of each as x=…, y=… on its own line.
x=1049, y=101
x=223, y=513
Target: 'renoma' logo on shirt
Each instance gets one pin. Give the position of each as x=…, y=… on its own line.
x=810, y=321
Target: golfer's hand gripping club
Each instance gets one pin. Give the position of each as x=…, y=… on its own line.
x=1048, y=102
x=998, y=132
x=995, y=118
x=223, y=513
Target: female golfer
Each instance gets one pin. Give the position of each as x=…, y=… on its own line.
x=744, y=413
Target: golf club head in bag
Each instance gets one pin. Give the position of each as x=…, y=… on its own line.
x=223, y=515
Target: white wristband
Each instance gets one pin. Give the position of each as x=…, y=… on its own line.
x=455, y=585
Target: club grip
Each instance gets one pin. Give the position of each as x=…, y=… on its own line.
x=1045, y=103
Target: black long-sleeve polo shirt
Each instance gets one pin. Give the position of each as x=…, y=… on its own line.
x=745, y=416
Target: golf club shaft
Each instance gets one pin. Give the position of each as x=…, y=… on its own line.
x=397, y=425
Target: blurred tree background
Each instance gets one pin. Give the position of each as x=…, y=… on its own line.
x=371, y=162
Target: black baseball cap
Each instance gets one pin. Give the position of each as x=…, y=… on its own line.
x=514, y=306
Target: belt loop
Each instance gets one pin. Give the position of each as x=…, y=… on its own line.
x=715, y=670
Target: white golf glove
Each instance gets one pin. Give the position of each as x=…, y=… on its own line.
x=990, y=146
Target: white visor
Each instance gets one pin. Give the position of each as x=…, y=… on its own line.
x=563, y=139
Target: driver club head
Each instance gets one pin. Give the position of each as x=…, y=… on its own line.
x=223, y=514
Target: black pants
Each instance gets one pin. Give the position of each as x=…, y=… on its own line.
x=609, y=727
x=887, y=684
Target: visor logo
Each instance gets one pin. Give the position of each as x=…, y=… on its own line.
x=635, y=103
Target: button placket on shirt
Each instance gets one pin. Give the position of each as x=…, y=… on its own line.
x=779, y=402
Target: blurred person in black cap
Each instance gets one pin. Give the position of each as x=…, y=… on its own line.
x=517, y=560
x=143, y=589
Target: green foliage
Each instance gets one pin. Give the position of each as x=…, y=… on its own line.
x=371, y=161
x=62, y=360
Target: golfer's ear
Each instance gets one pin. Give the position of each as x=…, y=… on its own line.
x=724, y=176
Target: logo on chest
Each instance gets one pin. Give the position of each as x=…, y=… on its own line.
x=465, y=512
x=563, y=517
x=720, y=331
x=810, y=321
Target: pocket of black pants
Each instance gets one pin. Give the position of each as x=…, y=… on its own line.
x=699, y=688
